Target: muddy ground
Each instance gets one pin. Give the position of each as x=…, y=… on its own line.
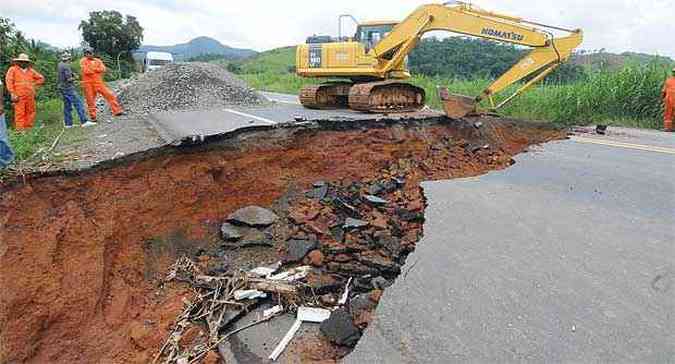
x=83, y=254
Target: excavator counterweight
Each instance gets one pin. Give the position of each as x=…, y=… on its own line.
x=372, y=64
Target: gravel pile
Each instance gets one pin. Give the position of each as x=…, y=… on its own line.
x=186, y=86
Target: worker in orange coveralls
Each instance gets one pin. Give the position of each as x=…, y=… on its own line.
x=93, y=85
x=22, y=82
x=668, y=94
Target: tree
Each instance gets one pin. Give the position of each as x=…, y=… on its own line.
x=13, y=42
x=109, y=32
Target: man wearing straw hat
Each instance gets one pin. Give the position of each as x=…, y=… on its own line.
x=668, y=94
x=22, y=82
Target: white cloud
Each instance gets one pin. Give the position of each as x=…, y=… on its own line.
x=617, y=25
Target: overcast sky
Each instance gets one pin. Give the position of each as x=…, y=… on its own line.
x=617, y=25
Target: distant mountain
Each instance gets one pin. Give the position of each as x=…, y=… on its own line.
x=199, y=47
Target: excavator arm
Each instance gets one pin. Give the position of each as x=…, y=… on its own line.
x=547, y=54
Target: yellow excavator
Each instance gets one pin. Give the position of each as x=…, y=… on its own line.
x=372, y=66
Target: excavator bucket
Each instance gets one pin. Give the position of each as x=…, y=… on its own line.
x=456, y=106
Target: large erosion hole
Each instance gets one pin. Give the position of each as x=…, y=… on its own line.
x=82, y=255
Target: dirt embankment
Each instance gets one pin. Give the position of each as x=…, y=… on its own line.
x=82, y=256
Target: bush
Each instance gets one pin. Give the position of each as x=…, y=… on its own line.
x=234, y=67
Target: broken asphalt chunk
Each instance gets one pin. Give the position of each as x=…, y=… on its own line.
x=353, y=269
x=409, y=216
x=254, y=216
x=382, y=264
x=380, y=283
x=375, y=201
x=338, y=233
x=352, y=224
x=318, y=193
x=347, y=208
x=340, y=329
x=230, y=232
x=400, y=181
x=390, y=243
x=360, y=303
x=250, y=238
x=296, y=250
x=375, y=189
x=391, y=185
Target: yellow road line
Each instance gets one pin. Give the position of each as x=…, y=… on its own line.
x=647, y=148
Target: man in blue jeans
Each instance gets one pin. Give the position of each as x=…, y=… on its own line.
x=6, y=153
x=66, y=84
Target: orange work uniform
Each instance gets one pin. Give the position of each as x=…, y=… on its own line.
x=669, y=102
x=22, y=84
x=93, y=85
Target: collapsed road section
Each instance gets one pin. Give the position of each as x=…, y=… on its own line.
x=84, y=255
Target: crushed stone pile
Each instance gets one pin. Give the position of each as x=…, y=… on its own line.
x=186, y=86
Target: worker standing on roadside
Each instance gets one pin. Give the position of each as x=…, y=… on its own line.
x=93, y=70
x=66, y=84
x=6, y=153
x=668, y=94
x=22, y=82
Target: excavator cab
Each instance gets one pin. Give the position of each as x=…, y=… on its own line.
x=371, y=33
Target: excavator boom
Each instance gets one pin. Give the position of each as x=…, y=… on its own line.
x=384, y=57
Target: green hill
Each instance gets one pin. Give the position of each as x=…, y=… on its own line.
x=276, y=61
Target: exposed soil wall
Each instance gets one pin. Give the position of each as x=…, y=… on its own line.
x=78, y=282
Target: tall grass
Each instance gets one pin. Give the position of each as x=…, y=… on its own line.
x=629, y=97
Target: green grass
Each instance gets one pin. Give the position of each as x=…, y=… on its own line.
x=626, y=97
x=276, y=61
x=48, y=125
x=274, y=82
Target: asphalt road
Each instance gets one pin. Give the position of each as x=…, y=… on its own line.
x=174, y=126
x=568, y=256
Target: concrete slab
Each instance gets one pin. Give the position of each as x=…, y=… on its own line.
x=568, y=256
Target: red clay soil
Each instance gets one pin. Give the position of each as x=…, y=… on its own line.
x=77, y=282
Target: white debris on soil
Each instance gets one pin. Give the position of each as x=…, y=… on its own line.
x=185, y=86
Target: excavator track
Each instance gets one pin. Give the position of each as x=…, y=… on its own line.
x=386, y=97
x=330, y=95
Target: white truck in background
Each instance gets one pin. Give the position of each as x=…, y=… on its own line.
x=155, y=60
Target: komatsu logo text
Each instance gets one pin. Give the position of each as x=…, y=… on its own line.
x=504, y=35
